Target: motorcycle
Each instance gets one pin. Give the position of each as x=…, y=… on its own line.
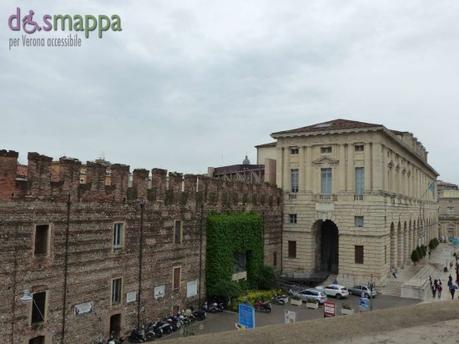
x=280, y=299
x=153, y=331
x=261, y=306
x=199, y=315
x=216, y=307
x=137, y=336
x=165, y=327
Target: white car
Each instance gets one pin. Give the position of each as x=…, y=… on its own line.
x=360, y=290
x=335, y=290
x=310, y=294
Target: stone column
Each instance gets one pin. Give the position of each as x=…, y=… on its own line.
x=301, y=171
x=342, y=168
x=308, y=169
x=350, y=169
x=280, y=167
x=367, y=166
x=286, y=160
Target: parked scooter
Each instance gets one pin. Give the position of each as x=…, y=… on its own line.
x=137, y=336
x=214, y=307
x=280, y=299
x=153, y=330
x=199, y=315
x=261, y=306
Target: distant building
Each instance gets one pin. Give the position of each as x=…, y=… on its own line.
x=449, y=209
x=244, y=172
x=358, y=198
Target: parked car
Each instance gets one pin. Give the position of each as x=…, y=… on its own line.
x=359, y=289
x=334, y=290
x=309, y=294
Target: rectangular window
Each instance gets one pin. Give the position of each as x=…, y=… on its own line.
x=358, y=221
x=291, y=218
x=176, y=278
x=292, y=249
x=275, y=259
x=240, y=262
x=326, y=181
x=325, y=150
x=37, y=340
x=118, y=232
x=294, y=179
x=178, y=232
x=117, y=284
x=38, y=307
x=359, y=181
x=359, y=148
x=294, y=150
x=358, y=254
x=41, y=240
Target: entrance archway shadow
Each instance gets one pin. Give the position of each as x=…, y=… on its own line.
x=327, y=246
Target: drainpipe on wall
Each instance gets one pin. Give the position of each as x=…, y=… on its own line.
x=140, y=263
x=64, y=303
x=15, y=267
x=200, y=254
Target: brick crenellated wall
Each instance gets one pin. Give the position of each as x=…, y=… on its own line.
x=92, y=262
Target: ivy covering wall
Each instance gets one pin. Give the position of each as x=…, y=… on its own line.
x=227, y=235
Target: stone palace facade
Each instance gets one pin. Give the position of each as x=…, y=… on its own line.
x=358, y=198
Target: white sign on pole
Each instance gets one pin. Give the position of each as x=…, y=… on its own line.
x=289, y=317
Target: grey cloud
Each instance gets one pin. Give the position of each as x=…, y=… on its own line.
x=191, y=84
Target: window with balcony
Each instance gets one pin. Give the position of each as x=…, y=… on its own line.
x=294, y=180
x=326, y=182
x=359, y=183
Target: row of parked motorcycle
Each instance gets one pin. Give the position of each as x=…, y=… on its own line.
x=266, y=307
x=168, y=325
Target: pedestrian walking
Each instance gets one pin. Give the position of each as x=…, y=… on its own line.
x=434, y=290
x=439, y=288
x=393, y=271
x=450, y=281
x=429, y=254
x=452, y=290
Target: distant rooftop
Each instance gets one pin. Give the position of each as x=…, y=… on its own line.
x=336, y=124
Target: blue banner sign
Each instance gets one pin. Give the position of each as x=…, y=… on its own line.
x=364, y=304
x=246, y=316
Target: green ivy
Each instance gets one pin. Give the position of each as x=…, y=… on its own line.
x=228, y=234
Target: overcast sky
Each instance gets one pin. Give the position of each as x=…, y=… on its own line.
x=191, y=84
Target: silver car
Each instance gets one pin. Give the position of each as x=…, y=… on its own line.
x=362, y=289
x=310, y=294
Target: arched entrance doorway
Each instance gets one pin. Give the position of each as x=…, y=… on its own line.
x=327, y=246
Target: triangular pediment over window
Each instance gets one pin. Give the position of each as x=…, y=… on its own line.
x=325, y=161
